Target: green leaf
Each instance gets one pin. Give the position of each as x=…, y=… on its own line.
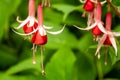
x=3, y=76
x=24, y=65
x=6, y=58
x=61, y=65
x=7, y=7
x=66, y=9
x=84, y=68
x=63, y=39
x=116, y=2
x=85, y=42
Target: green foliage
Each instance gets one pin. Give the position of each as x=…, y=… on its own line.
x=57, y=69
x=67, y=56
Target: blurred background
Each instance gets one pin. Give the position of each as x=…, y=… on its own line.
x=67, y=56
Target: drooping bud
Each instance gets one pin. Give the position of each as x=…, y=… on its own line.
x=108, y=27
x=40, y=36
x=28, y=29
x=108, y=21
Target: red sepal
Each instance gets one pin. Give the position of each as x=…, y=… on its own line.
x=96, y=31
x=38, y=39
x=88, y=6
x=29, y=29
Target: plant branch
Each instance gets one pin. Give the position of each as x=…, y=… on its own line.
x=114, y=8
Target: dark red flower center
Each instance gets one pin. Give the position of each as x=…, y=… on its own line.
x=38, y=39
x=107, y=41
x=96, y=31
x=28, y=29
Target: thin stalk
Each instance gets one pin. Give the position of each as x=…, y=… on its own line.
x=42, y=60
x=34, y=51
x=114, y=8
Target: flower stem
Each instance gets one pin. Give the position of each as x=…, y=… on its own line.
x=114, y=8
x=34, y=51
x=42, y=60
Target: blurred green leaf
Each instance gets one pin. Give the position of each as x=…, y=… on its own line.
x=3, y=76
x=61, y=65
x=84, y=68
x=24, y=65
x=6, y=58
x=7, y=7
x=66, y=9
x=85, y=42
x=63, y=39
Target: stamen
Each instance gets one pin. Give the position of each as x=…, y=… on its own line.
x=106, y=55
x=34, y=51
x=99, y=55
x=42, y=60
x=83, y=15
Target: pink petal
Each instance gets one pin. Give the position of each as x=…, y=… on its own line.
x=112, y=39
x=100, y=43
x=88, y=28
x=102, y=28
x=116, y=33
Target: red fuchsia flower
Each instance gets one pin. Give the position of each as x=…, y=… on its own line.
x=30, y=23
x=97, y=24
x=108, y=37
x=40, y=36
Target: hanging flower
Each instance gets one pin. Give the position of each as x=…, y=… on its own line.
x=108, y=38
x=97, y=24
x=30, y=23
x=40, y=36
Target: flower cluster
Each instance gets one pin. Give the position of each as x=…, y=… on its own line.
x=103, y=35
x=35, y=28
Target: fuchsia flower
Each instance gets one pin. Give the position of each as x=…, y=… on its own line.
x=40, y=36
x=30, y=23
x=97, y=24
x=108, y=36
